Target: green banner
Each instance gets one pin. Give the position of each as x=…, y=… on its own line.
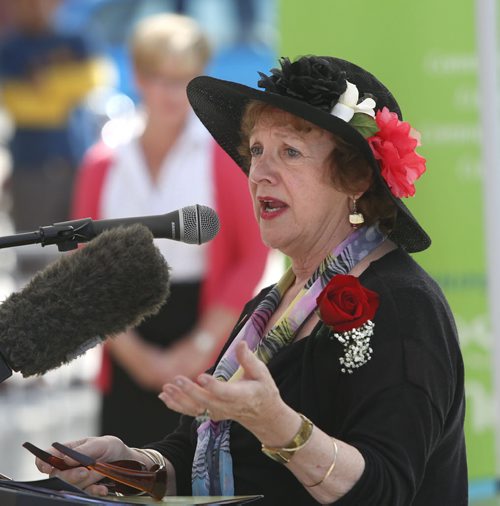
x=425, y=52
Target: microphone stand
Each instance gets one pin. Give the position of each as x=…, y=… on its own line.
x=66, y=236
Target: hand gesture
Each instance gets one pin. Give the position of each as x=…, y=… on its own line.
x=253, y=400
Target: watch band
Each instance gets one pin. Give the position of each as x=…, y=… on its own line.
x=284, y=454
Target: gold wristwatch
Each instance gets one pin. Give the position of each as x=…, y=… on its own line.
x=284, y=454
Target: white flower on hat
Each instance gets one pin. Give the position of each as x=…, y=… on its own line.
x=347, y=104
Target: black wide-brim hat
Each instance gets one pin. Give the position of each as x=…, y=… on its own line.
x=307, y=88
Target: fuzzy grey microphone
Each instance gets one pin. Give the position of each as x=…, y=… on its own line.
x=113, y=283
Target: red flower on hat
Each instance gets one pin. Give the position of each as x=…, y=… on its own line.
x=394, y=146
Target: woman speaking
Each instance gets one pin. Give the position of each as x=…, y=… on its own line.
x=343, y=382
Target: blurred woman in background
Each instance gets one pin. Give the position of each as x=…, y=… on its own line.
x=172, y=162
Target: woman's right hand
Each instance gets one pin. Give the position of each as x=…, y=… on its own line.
x=102, y=449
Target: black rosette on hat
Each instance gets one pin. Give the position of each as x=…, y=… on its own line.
x=312, y=80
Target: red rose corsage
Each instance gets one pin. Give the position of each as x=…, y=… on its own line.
x=347, y=307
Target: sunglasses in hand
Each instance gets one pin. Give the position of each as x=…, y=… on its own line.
x=124, y=477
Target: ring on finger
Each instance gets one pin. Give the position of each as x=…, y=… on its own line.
x=204, y=416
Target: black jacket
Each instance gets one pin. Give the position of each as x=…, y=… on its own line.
x=403, y=410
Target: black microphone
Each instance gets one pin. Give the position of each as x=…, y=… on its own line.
x=73, y=304
x=192, y=224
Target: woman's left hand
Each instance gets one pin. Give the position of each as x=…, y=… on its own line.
x=253, y=400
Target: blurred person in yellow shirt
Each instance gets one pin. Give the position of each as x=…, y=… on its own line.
x=45, y=75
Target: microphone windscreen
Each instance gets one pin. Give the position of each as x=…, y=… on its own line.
x=98, y=291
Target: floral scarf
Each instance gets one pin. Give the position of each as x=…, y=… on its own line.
x=212, y=472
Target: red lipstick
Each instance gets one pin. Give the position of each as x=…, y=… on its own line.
x=271, y=208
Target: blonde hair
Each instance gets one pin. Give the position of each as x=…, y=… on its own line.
x=168, y=36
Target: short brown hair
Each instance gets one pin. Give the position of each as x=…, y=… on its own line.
x=350, y=171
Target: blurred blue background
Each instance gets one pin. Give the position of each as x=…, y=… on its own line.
x=243, y=32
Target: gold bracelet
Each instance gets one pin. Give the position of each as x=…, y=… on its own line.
x=155, y=456
x=330, y=469
x=284, y=454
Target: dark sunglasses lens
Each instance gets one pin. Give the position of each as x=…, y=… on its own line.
x=160, y=485
x=121, y=488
